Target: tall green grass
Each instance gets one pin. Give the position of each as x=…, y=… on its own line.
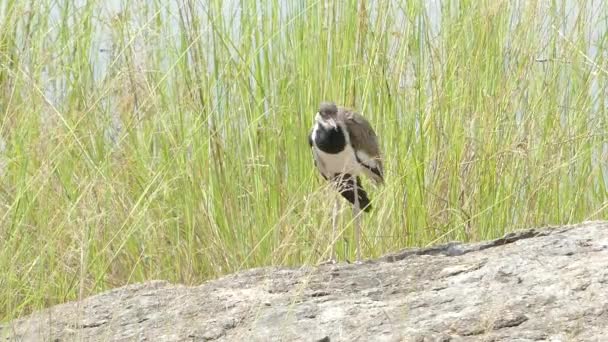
x=153, y=140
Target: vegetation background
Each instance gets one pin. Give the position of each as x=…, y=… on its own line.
x=167, y=140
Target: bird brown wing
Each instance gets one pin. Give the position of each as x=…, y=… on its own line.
x=363, y=138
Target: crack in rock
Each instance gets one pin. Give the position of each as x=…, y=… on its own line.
x=457, y=248
x=509, y=320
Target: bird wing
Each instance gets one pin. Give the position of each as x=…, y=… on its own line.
x=365, y=143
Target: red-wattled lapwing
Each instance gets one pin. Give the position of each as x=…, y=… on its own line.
x=344, y=145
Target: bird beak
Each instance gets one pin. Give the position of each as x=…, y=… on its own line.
x=332, y=123
x=320, y=118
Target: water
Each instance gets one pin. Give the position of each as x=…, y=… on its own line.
x=106, y=51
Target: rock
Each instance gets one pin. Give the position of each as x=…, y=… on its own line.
x=548, y=284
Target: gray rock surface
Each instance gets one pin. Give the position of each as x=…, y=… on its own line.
x=534, y=285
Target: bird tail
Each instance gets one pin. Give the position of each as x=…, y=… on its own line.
x=346, y=188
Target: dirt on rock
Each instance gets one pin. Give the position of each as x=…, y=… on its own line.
x=546, y=284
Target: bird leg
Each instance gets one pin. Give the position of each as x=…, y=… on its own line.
x=356, y=212
x=334, y=223
x=334, y=233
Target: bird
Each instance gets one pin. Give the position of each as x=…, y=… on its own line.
x=345, y=146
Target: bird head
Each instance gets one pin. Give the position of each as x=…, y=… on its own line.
x=327, y=114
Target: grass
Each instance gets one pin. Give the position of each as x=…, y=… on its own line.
x=154, y=141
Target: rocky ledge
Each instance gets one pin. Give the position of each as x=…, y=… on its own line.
x=547, y=284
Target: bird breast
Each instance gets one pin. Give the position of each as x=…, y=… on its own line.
x=332, y=152
x=328, y=139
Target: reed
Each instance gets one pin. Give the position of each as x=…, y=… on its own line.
x=168, y=141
